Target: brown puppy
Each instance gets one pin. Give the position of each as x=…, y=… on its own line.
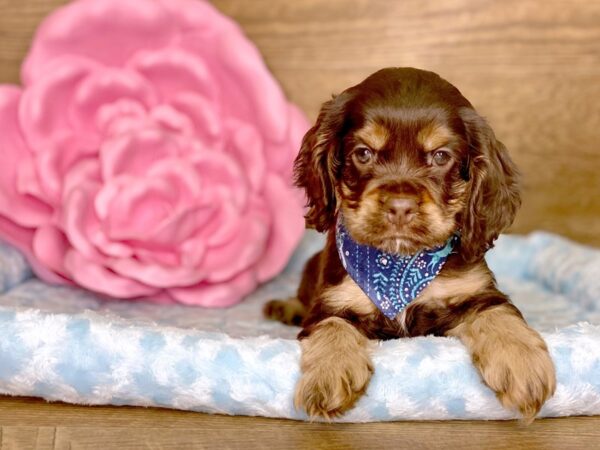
x=408, y=162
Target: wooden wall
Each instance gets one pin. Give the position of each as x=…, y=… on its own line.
x=532, y=67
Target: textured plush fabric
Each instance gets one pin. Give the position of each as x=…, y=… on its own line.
x=61, y=343
x=390, y=281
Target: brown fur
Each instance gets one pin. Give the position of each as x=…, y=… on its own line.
x=512, y=358
x=336, y=369
x=406, y=114
x=374, y=135
x=290, y=311
x=348, y=295
x=434, y=136
x=450, y=288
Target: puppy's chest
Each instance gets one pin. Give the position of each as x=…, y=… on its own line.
x=348, y=299
x=349, y=296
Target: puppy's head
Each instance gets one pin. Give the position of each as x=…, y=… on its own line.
x=408, y=162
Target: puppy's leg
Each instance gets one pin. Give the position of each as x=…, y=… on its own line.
x=290, y=311
x=336, y=368
x=293, y=311
x=512, y=357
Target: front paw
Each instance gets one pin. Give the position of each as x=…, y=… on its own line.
x=336, y=370
x=332, y=388
x=519, y=369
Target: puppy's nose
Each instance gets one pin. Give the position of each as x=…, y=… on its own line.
x=401, y=210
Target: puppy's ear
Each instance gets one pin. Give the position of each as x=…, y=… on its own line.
x=317, y=166
x=494, y=188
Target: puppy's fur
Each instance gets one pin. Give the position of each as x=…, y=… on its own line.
x=407, y=137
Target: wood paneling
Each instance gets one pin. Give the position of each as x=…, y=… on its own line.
x=531, y=66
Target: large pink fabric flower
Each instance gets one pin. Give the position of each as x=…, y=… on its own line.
x=149, y=154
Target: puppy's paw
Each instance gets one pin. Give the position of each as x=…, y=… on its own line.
x=521, y=373
x=333, y=388
x=289, y=312
x=336, y=369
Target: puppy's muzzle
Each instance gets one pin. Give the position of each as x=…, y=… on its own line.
x=399, y=201
x=400, y=210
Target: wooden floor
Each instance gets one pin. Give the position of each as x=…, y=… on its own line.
x=31, y=423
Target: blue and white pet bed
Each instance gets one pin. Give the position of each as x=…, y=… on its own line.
x=66, y=344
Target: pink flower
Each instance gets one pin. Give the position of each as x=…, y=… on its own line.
x=149, y=154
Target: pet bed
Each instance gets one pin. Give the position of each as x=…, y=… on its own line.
x=63, y=343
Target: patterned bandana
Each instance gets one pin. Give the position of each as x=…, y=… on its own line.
x=390, y=281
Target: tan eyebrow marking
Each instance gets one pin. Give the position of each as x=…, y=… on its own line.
x=434, y=135
x=375, y=135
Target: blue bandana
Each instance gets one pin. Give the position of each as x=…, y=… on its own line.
x=390, y=281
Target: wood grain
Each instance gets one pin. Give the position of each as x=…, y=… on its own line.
x=531, y=66
x=32, y=423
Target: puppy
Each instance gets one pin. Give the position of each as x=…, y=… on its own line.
x=412, y=187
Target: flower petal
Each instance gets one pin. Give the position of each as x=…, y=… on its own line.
x=54, y=164
x=157, y=256
x=22, y=239
x=246, y=145
x=120, y=117
x=43, y=112
x=16, y=235
x=156, y=275
x=182, y=176
x=204, y=116
x=285, y=203
x=50, y=246
x=298, y=125
x=98, y=278
x=181, y=225
x=134, y=154
x=110, y=248
x=172, y=71
x=220, y=295
x=83, y=171
x=220, y=172
x=241, y=252
x=249, y=91
x=107, y=31
x=223, y=224
x=138, y=208
x=16, y=201
x=102, y=88
x=79, y=220
x=172, y=120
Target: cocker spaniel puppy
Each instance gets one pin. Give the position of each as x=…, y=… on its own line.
x=413, y=188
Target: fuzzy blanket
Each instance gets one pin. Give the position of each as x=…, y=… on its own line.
x=66, y=344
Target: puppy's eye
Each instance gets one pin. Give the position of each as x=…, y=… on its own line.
x=363, y=155
x=441, y=158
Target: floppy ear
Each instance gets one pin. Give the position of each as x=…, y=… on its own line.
x=317, y=165
x=494, y=188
